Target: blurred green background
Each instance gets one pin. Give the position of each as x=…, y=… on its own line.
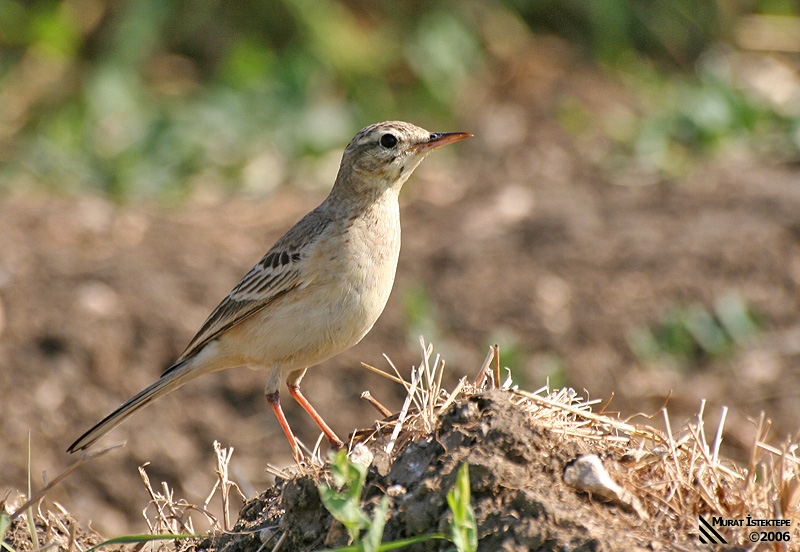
x=154, y=98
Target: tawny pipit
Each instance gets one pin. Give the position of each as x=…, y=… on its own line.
x=317, y=291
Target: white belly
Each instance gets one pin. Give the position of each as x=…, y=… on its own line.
x=347, y=292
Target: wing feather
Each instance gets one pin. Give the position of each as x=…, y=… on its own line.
x=276, y=274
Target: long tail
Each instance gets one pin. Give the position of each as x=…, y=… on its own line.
x=172, y=379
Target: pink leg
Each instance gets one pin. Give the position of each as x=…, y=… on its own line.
x=275, y=402
x=336, y=443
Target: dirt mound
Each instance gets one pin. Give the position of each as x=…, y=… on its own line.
x=518, y=495
x=517, y=460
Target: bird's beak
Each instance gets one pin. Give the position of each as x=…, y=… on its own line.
x=439, y=139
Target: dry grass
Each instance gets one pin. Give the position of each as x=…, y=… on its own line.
x=672, y=476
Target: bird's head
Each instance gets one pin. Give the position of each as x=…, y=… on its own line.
x=385, y=154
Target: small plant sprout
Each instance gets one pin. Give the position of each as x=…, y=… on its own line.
x=345, y=505
x=464, y=528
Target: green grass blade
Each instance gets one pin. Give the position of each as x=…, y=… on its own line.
x=388, y=546
x=394, y=545
x=464, y=529
x=374, y=536
x=30, y=520
x=128, y=539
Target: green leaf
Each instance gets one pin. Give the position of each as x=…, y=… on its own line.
x=344, y=509
x=464, y=528
x=348, y=474
x=345, y=505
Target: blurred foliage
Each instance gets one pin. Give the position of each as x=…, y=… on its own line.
x=675, y=32
x=690, y=335
x=548, y=367
x=512, y=355
x=419, y=314
x=158, y=97
x=690, y=117
x=153, y=97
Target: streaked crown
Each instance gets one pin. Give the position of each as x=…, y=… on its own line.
x=387, y=153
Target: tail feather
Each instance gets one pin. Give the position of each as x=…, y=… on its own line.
x=171, y=380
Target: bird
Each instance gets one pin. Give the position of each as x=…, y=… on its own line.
x=317, y=291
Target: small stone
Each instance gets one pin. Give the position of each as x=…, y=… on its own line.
x=361, y=455
x=588, y=474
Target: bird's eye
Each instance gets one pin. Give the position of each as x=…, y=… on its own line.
x=388, y=141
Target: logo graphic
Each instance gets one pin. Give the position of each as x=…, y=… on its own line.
x=709, y=535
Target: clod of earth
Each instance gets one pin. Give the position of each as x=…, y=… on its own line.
x=515, y=470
